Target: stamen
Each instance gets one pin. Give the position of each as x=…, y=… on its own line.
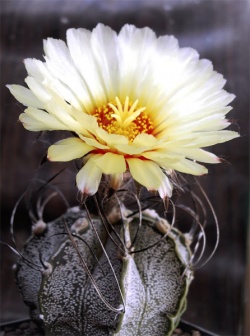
x=118, y=104
x=134, y=106
x=126, y=105
x=124, y=118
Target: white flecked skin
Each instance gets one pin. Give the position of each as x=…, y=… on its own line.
x=65, y=301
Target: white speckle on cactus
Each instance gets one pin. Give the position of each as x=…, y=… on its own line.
x=188, y=238
x=116, y=213
x=80, y=224
x=48, y=270
x=134, y=296
x=161, y=223
x=74, y=209
x=39, y=227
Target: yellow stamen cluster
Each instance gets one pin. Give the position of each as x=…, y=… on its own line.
x=124, y=119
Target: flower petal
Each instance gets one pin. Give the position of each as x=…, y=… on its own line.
x=147, y=173
x=93, y=142
x=205, y=139
x=198, y=154
x=38, y=89
x=161, y=155
x=165, y=189
x=111, y=163
x=25, y=96
x=61, y=66
x=36, y=120
x=110, y=139
x=68, y=149
x=106, y=62
x=62, y=114
x=144, y=139
x=130, y=149
x=89, y=177
x=81, y=52
x=116, y=180
x=40, y=72
x=135, y=51
x=188, y=167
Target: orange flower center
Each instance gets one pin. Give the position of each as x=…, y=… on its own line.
x=124, y=119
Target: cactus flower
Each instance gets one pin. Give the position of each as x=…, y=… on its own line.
x=132, y=102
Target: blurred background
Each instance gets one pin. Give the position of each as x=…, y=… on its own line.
x=219, y=31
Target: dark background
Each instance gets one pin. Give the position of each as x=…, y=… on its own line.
x=219, y=30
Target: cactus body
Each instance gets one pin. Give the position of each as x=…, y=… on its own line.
x=64, y=300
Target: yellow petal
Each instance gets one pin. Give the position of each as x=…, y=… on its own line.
x=93, y=142
x=37, y=120
x=111, y=163
x=160, y=155
x=110, y=139
x=205, y=139
x=147, y=173
x=116, y=180
x=68, y=149
x=130, y=149
x=143, y=139
x=89, y=177
x=198, y=154
x=189, y=167
x=87, y=121
x=143, y=142
x=59, y=113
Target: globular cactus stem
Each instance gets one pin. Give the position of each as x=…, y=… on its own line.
x=128, y=281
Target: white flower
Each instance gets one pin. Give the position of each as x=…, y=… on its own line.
x=134, y=102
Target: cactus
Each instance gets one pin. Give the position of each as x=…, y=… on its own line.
x=118, y=289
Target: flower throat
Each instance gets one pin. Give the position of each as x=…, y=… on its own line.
x=124, y=119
